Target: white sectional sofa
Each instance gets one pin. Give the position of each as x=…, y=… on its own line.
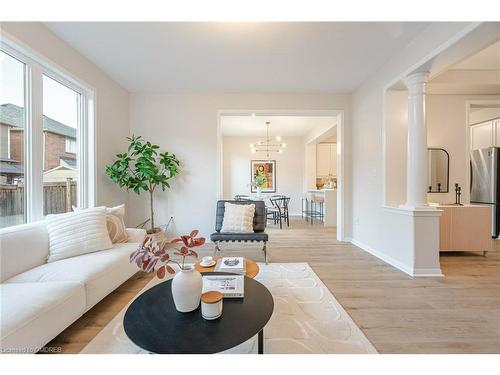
x=39, y=299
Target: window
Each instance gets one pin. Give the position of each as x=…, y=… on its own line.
x=46, y=133
x=71, y=145
x=12, y=125
x=60, y=131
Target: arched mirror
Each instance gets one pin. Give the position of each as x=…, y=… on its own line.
x=438, y=171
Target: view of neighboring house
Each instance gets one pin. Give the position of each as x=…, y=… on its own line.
x=59, y=147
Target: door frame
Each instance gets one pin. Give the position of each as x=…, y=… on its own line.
x=341, y=152
x=468, y=131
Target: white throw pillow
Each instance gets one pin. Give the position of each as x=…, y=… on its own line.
x=115, y=222
x=77, y=233
x=238, y=218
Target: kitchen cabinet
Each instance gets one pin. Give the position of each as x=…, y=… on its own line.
x=465, y=228
x=326, y=159
x=485, y=134
x=496, y=129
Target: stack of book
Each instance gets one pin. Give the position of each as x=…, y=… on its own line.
x=231, y=286
x=232, y=265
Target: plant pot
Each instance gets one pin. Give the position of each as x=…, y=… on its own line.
x=157, y=234
x=186, y=289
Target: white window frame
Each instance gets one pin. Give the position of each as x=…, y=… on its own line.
x=35, y=67
x=70, y=146
x=8, y=142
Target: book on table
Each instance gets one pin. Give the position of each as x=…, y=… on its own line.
x=231, y=264
x=231, y=286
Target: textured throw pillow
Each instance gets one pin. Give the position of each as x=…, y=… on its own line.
x=77, y=233
x=115, y=222
x=238, y=218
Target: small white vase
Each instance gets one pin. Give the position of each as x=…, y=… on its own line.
x=186, y=289
x=259, y=192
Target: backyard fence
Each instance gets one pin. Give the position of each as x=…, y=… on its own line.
x=57, y=198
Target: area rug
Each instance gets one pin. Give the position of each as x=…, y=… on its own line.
x=307, y=319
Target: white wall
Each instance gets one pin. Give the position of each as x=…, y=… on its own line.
x=396, y=140
x=186, y=124
x=289, y=168
x=370, y=220
x=310, y=166
x=112, y=101
x=446, y=128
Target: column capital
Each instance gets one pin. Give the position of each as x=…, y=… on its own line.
x=416, y=78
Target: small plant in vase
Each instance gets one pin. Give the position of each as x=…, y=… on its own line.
x=187, y=284
x=257, y=183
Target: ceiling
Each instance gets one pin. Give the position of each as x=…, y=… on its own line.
x=284, y=126
x=478, y=74
x=238, y=57
x=486, y=59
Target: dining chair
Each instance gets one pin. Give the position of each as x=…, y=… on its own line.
x=239, y=197
x=279, y=210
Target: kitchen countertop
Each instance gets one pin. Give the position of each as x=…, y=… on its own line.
x=456, y=205
x=320, y=191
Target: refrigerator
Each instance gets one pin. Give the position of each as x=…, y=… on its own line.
x=485, y=184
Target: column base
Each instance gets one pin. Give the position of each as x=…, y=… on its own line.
x=417, y=235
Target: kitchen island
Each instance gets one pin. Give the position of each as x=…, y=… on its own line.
x=329, y=205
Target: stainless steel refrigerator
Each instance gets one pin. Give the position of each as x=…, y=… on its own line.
x=485, y=184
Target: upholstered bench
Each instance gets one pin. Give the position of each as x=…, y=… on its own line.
x=259, y=226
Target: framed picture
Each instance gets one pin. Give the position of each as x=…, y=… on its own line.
x=263, y=175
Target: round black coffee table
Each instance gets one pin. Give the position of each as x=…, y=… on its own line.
x=153, y=323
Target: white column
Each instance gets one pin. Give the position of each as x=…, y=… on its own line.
x=416, y=173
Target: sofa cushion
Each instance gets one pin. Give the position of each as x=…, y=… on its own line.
x=115, y=222
x=32, y=314
x=101, y=272
x=136, y=235
x=77, y=233
x=22, y=247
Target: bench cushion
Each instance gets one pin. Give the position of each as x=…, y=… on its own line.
x=217, y=236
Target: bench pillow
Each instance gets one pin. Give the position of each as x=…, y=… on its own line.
x=238, y=218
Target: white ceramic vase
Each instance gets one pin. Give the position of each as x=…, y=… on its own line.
x=259, y=192
x=186, y=289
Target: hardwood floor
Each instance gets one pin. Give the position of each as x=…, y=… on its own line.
x=459, y=313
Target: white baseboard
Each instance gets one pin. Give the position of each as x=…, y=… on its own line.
x=386, y=258
x=427, y=272
x=413, y=272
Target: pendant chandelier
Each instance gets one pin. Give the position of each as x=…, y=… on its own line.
x=268, y=145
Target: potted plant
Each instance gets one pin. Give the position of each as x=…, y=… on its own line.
x=144, y=168
x=187, y=284
x=257, y=182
